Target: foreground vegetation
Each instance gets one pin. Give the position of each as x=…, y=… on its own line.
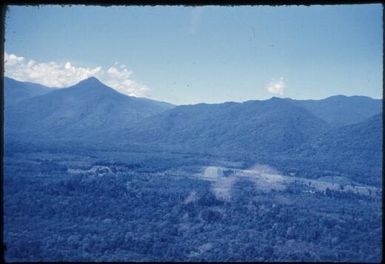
x=129, y=212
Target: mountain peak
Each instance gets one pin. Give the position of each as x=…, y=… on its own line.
x=93, y=85
x=275, y=98
x=91, y=80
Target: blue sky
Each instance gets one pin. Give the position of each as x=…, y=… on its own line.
x=209, y=54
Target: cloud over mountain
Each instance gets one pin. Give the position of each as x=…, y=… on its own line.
x=54, y=74
x=276, y=86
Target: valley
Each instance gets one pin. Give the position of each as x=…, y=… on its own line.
x=93, y=209
x=94, y=175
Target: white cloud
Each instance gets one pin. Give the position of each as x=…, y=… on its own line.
x=12, y=59
x=54, y=74
x=276, y=86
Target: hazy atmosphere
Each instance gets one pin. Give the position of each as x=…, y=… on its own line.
x=208, y=134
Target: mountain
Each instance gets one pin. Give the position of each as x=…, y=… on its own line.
x=277, y=132
x=86, y=111
x=15, y=91
x=338, y=134
x=355, y=149
x=258, y=128
x=342, y=110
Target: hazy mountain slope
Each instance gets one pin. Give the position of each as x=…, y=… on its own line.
x=304, y=136
x=15, y=91
x=83, y=111
x=342, y=110
x=355, y=149
x=276, y=131
x=253, y=127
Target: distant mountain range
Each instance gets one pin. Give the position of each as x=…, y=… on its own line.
x=341, y=132
x=342, y=110
x=15, y=91
x=81, y=112
x=253, y=127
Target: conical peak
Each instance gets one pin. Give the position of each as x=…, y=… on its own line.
x=90, y=80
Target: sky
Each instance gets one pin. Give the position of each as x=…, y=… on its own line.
x=207, y=54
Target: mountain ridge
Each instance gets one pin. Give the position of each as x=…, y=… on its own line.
x=16, y=91
x=340, y=110
x=70, y=112
x=281, y=132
